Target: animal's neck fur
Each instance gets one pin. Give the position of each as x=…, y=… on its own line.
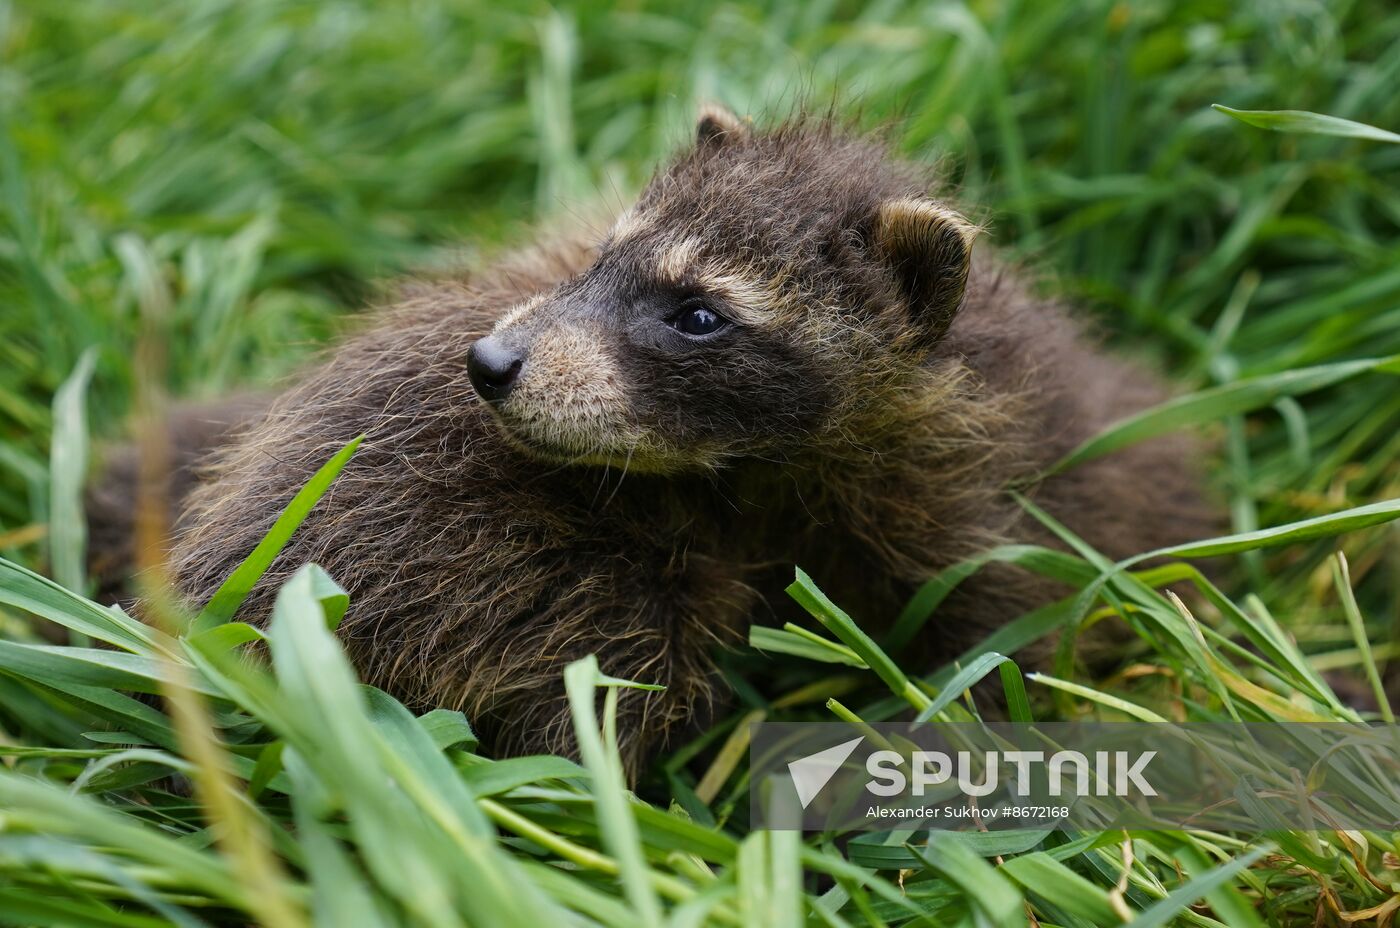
x=906, y=481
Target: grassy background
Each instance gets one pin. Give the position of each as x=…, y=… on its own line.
x=248, y=173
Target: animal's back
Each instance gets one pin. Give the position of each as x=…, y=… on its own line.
x=1146, y=496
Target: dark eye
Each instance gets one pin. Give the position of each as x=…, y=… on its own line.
x=695, y=319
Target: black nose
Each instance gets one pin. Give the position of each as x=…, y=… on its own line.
x=493, y=367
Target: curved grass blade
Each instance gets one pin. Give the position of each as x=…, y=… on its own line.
x=1167, y=909
x=48, y=809
x=965, y=679
x=811, y=598
x=1044, y=561
x=46, y=664
x=801, y=643
x=24, y=589
x=582, y=680
x=1061, y=887
x=1308, y=123
x=1018, y=707
x=1229, y=399
x=1341, y=579
x=68, y=454
x=225, y=602
x=994, y=894
x=56, y=856
x=1337, y=523
x=890, y=851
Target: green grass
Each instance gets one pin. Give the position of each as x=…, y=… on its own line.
x=238, y=177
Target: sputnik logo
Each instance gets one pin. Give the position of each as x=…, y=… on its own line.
x=811, y=773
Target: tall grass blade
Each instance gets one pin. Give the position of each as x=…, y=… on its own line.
x=67, y=475
x=223, y=605
x=1310, y=123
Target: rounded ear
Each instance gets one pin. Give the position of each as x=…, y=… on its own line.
x=930, y=249
x=717, y=123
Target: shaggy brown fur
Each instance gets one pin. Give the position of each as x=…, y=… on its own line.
x=642, y=490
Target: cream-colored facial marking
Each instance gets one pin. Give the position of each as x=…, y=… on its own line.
x=624, y=226
x=516, y=313
x=751, y=299
x=678, y=259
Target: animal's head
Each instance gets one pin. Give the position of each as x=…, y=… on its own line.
x=763, y=289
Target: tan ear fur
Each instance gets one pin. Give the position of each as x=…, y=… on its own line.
x=930, y=248
x=716, y=123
